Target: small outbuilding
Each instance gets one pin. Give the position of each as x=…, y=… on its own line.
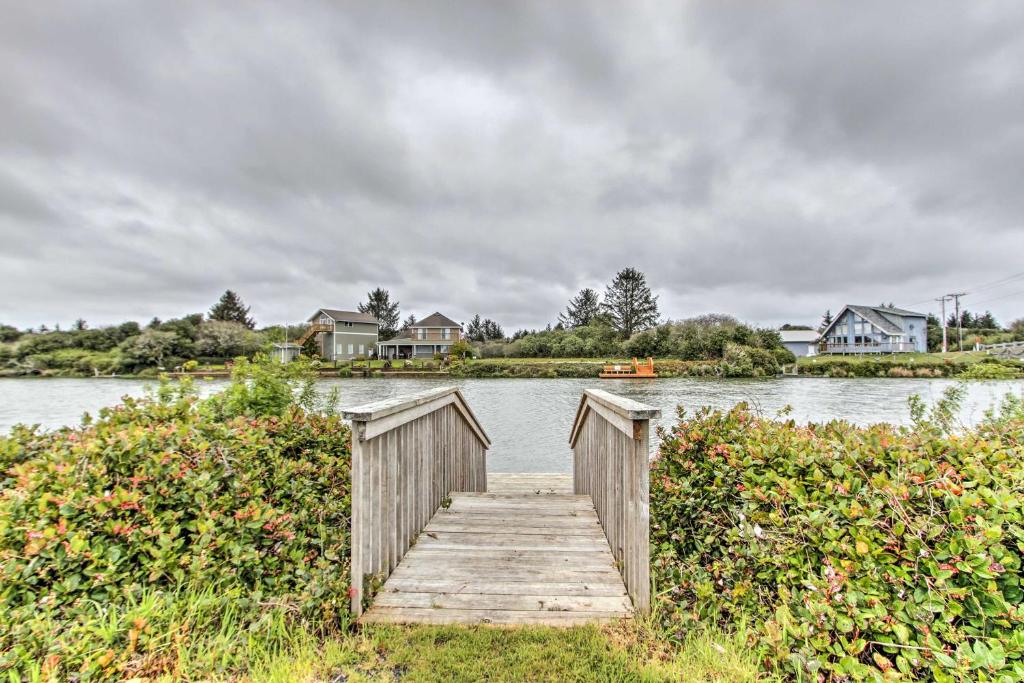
x=800, y=342
x=286, y=353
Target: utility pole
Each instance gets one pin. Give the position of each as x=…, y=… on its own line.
x=942, y=300
x=959, y=323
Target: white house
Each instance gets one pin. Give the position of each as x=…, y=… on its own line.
x=800, y=342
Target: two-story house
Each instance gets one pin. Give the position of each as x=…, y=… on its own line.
x=875, y=329
x=343, y=335
x=434, y=334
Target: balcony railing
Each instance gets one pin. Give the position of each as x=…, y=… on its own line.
x=877, y=347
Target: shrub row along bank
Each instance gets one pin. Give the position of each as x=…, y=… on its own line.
x=167, y=496
x=737, y=364
x=866, y=553
x=838, y=366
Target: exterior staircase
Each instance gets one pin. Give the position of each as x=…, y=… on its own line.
x=314, y=328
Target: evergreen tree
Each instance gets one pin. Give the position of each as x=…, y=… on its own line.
x=629, y=303
x=408, y=323
x=475, y=329
x=379, y=305
x=492, y=330
x=986, y=321
x=826, y=320
x=80, y=325
x=231, y=309
x=581, y=309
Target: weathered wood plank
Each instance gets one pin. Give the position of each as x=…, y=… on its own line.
x=412, y=615
x=485, y=587
x=499, y=601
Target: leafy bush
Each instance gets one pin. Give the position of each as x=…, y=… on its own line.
x=164, y=494
x=992, y=370
x=865, y=553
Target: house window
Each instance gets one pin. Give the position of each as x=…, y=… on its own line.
x=421, y=333
x=362, y=349
x=348, y=324
x=351, y=349
x=324, y=320
x=447, y=333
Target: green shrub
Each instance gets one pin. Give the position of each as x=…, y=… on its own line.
x=163, y=494
x=864, y=553
x=987, y=369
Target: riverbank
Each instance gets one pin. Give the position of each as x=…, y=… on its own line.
x=966, y=365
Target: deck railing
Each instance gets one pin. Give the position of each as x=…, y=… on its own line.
x=408, y=454
x=880, y=347
x=610, y=441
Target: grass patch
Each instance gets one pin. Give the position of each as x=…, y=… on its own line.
x=623, y=652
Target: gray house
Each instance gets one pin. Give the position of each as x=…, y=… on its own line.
x=343, y=335
x=875, y=329
x=800, y=342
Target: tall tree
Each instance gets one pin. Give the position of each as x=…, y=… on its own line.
x=492, y=330
x=581, y=310
x=986, y=321
x=80, y=325
x=408, y=322
x=475, y=329
x=379, y=305
x=826, y=320
x=629, y=303
x=231, y=309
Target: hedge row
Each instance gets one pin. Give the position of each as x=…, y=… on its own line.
x=738, y=364
x=856, y=553
x=162, y=494
x=835, y=366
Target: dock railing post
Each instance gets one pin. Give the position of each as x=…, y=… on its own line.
x=408, y=454
x=610, y=439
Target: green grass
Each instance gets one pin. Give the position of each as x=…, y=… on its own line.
x=453, y=653
x=212, y=635
x=967, y=357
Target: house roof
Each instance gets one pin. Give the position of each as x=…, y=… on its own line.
x=436, y=320
x=346, y=316
x=798, y=336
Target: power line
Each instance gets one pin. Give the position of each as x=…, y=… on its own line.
x=1004, y=296
x=988, y=285
x=996, y=283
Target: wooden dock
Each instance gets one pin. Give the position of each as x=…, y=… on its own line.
x=436, y=539
x=528, y=551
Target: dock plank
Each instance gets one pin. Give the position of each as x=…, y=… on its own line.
x=528, y=551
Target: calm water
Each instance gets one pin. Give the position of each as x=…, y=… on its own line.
x=529, y=420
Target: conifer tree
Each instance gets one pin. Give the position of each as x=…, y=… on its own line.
x=379, y=305
x=629, y=303
x=581, y=310
x=230, y=308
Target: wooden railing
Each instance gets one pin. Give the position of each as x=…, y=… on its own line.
x=408, y=454
x=610, y=440
x=873, y=347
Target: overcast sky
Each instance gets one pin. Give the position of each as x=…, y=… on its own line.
x=769, y=160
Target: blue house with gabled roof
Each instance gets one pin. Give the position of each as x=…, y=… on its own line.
x=875, y=329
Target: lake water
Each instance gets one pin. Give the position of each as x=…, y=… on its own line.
x=529, y=420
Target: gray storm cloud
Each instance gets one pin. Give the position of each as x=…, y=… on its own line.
x=768, y=160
